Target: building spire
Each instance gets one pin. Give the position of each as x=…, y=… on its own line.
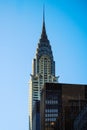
x=44, y=13
x=43, y=34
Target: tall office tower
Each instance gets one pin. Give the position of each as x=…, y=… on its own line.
x=43, y=69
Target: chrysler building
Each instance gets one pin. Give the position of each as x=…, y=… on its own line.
x=43, y=69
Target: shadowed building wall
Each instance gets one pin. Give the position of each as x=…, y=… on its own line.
x=60, y=104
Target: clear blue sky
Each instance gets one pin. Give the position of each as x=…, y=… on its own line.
x=20, y=29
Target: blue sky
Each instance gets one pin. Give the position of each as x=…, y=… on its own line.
x=20, y=29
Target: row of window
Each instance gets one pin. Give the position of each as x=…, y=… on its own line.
x=50, y=119
x=51, y=115
x=51, y=110
x=51, y=102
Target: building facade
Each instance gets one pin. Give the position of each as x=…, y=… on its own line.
x=60, y=105
x=80, y=122
x=50, y=106
x=36, y=116
x=43, y=70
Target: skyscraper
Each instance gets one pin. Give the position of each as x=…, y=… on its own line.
x=43, y=69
